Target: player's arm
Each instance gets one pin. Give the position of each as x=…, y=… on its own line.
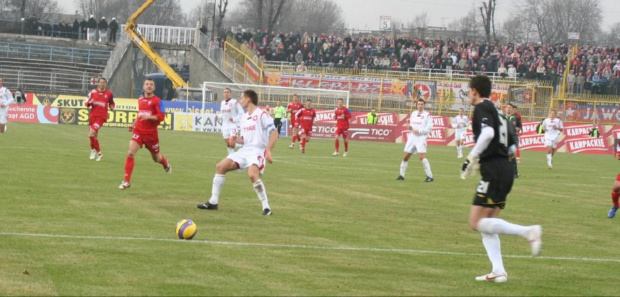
x=89, y=100
x=273, y=136
x=111, y=105
x=513, y=140
x=560, y=126
x=347, y=115
x=455, y=122
x=10, y=98
x=238, y=113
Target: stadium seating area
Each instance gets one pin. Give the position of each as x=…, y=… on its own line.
x=599, y=66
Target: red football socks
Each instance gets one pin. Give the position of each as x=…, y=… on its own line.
x=129, y=163
x=337, y=144
x=614, y=198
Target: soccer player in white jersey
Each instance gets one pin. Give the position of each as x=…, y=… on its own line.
x=6, y=98
x=460, y=123
x=259, y=136
x=420, y=124
x=231, y=112
x=552, y=127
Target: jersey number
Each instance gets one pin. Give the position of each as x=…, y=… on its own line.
x=503, y=131
x=483, y=187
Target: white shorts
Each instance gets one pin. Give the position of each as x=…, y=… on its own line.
x=227, y=131
x=551, y=142
x=3, y=115
x=460, y=134
x=246, y=157
x=415, y=144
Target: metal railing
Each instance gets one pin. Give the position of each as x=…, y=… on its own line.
x=69, y=82
x=167, y=34
x=209, y=49
x=53, y=53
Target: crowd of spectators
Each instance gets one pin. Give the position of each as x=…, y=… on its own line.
x=594, y=68
x=75, y=30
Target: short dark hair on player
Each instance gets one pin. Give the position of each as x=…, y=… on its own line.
x=252, y=95
x=308, y=100
x=512, y=105
x=482, y=84
x=227, y=89
x=101, y=79
x=148, y=78
x=340, y=99
x=421, y=100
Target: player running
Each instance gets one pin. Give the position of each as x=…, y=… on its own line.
x=552, y=127
x=292, y=109
x=305, y=118
x=99, y=100
x=231, y=112
x=259, y=136
x=615, y=192
x=144, y=128
x=460, y=123
x=343, y=115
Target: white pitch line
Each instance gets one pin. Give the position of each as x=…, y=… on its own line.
x=297, y=246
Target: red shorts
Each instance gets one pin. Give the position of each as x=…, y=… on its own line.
x=305, y=130
x=150, y=141
x=618, y=177
x=293, y=124
x=344, y=132
x=97, y=122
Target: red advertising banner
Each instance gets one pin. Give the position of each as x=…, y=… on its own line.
x=356, y=132
x=33, y=114
x=355, y=84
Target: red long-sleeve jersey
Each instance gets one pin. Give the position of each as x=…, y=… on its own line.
x=149, y=107
x=99, y=102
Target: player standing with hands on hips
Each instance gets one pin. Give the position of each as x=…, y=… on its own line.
x=99, y=100
x=495, y=140
x=150, y=114
x=231, y=115
x=259, y=136
x=6, y=98
x=420, y=124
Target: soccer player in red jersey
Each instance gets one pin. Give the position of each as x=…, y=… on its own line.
x=292, y=109
x=144, y=128
x=99, y=100
x=305, y=116
x=615, y=192
x=343, y=115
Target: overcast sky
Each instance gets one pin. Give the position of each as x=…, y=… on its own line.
x=365, y=14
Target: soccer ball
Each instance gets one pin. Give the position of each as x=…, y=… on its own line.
x=186, y=229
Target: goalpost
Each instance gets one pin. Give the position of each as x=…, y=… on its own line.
x=213, y=94
x=270, y=95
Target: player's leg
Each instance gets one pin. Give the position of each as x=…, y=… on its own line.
x=294, y=136
x=224, y=166
x=134, y=145
x=548, y=144
x=409, y=150
x=3, y=121
x=304, y=139
x=615, y=195
x=336, y=143
x=421, y=149
x=346, y=142
x=254, y=174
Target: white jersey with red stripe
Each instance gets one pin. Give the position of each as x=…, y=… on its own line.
x=231, y=111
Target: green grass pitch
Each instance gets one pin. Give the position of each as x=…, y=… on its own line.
x=340, y=226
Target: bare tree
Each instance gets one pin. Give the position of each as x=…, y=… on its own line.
x=313, y=16
x=487, y=11
x=222, y=9
x=260, y=14
x=469, y=25
x=555, y=18
x=14, y=9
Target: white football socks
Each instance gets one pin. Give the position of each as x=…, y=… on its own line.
x=427, y=167
x=218, y=182
x=494, y=250
x=499, y=226
x=403, y=168
x=260, y=190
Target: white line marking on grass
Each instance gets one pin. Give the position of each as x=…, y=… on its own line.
x=297, y=246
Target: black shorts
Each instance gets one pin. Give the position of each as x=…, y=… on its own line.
x=496, y=183
x=277, y=121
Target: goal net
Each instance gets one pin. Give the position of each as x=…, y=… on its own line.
x=270, y=95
